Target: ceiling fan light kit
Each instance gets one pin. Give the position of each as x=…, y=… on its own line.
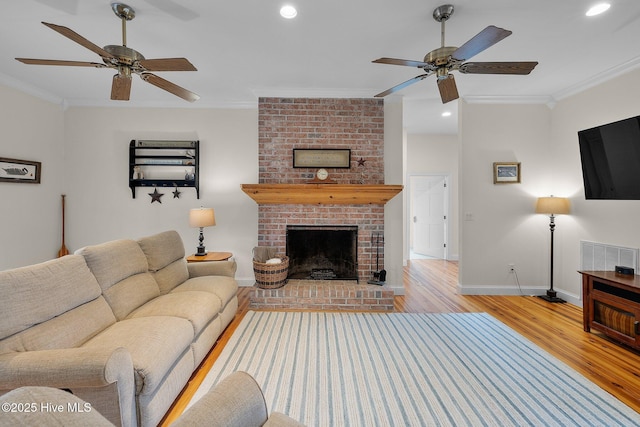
x=125, y=60
x=445, y=59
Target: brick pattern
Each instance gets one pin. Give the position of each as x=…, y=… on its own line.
x=323, y=295
x=356, y=124
x=288, y=123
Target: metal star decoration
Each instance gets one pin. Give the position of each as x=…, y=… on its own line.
x=361, y=161
x=155, y=196
x=176, y=193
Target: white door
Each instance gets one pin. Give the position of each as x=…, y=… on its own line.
x=429, y=215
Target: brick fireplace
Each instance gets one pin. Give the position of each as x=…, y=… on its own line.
x=354, y=124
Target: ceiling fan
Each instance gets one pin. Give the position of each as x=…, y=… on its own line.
x=124, y=59
x=445, y=59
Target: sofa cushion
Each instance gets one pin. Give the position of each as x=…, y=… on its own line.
x=199, y=308
x=223, y=287
x=172, y=275
x=155, y=344
x=162, y=249
x=120, y=267
x=131, y=293
x=165, y=257
x=68, y=330
x=40, y=292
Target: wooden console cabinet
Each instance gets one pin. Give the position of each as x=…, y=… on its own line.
x=611, y=305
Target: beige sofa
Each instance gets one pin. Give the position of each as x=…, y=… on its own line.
x=122, y=325
x=236, y=402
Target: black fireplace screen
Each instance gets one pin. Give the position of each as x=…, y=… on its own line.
x=321, y=252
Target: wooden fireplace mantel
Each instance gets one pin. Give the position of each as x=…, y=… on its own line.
x=323, y=194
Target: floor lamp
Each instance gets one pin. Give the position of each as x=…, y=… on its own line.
x=552, y=206
x=202, y=217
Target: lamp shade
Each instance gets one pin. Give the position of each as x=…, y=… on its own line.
x=553, y=205
x=202, y=217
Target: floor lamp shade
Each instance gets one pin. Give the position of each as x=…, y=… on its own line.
x=202, y=217
x=552, y=206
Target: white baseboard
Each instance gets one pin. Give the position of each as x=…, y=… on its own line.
x=246, y=282
x=515, y=291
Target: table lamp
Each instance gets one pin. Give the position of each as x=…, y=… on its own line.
x=202, y=217
x=552, y=206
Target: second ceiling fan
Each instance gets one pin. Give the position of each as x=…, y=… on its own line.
x=445, y=59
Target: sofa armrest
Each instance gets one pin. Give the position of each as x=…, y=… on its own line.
x=213, y=268
x=235, y=401
x=65, y=368
x=278, y=419
x=102, y=377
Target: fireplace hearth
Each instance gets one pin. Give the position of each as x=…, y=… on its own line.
x=322, y=252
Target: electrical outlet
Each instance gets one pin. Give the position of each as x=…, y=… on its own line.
x=512, y=268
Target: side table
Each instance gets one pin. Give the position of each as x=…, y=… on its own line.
x=210, y=256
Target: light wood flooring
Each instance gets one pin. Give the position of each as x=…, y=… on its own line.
x=430, y=287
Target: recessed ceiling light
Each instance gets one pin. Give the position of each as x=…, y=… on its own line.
x=446, y=114
x=288, y=12
x=598, y=9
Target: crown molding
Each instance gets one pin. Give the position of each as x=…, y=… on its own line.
x=596, y=80
x=525, y=99
x=31, y=90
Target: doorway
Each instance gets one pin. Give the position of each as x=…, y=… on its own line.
x=428, y=216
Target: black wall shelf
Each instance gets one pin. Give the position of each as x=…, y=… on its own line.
x=164, y=164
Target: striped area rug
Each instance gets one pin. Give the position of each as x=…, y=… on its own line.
x=363, y=369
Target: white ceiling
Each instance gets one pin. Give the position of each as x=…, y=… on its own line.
x=244, y=49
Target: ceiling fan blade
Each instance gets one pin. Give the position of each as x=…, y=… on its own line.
x=402, y=85
x=121, y=87
x=521, y=68
x=407, y=62
x=169, y=87
x=448, y=89
x=481, y=41
x=31, y=61
x=70, y=34
x=167, y=64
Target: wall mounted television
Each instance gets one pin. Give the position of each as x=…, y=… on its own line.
x=610, y=157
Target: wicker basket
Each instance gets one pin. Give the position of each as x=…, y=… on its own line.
x=271, y=276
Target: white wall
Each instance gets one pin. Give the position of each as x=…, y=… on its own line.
x=498, y=224
x=393, y=210
x=497, y=221
x=604, y=221
x=437, y=155
x=30, y=214
x=99, y=202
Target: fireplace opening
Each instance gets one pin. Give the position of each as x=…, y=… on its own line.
x=321, y=252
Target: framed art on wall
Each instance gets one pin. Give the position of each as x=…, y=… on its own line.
x=321, y=158
x=23, y=171
x=506, y=173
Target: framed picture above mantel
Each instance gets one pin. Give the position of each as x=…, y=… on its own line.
x=321, y=158
x=22, y=171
